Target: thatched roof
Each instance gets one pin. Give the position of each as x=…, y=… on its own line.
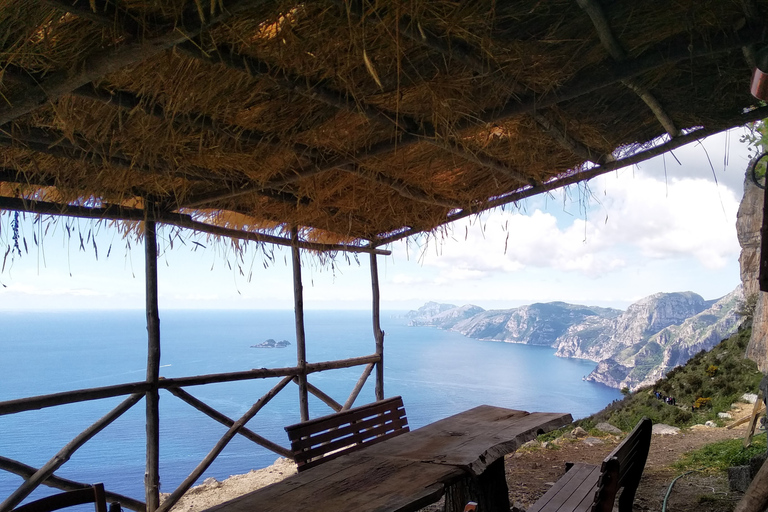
x=357, y=122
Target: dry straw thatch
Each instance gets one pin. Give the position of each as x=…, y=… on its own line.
x=357, y=121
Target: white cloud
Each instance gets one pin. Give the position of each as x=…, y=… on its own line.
x=634, y=218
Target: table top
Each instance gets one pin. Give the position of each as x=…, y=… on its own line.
x=405, y=472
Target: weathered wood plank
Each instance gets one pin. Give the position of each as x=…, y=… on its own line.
x=473, y=439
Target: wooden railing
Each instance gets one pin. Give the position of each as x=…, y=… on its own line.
x=135, y=391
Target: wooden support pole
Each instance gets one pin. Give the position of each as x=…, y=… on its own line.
x=298, y=311
x=152, y=473
x=226, y=438
x=25, y=471
x=378, y=334
x=227, y=421
x=358, y=387
x=64, y=454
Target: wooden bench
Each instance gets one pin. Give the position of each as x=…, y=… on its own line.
x=316, y=441
x=586, y=487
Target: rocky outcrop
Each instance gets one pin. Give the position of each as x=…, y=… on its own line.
x=537, y=324
x=444, y=316
x=636, y=325
x=641, y=362
x=748, y=223
x=634, y=348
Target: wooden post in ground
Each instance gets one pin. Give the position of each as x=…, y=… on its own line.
x=152, y=473
x=378, y=334
x=301, y=349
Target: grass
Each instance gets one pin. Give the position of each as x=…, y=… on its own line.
x=721, y=455
x=734, y=376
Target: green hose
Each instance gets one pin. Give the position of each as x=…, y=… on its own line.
x=669, y=491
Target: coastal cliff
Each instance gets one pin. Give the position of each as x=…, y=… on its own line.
x=749, y=220
x=633, y=348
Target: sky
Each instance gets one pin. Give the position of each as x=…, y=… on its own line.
x=665, y=225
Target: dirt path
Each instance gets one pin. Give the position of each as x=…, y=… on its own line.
x=531, y=472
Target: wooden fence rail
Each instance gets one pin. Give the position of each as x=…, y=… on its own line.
x=82, y=395
x=137, y=390
x=25, y=471
x=31, y=483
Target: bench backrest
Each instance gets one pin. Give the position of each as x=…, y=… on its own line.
x=322, y=439
x=623, y=467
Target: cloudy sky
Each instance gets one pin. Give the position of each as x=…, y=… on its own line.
x=662, y=226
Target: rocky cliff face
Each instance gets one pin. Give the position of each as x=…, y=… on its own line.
x=633, y=348
x=642, y=361
x=537, y=324
x=748, y=223
x=636, y=325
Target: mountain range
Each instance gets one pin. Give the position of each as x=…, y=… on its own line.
x=633, y=348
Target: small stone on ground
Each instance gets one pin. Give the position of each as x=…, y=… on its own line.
x=607, y=427
x=662, y=429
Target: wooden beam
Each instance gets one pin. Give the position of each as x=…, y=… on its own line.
x=641, y=156
x=31, y=483
x=25, y=471
x=174, y=497
x=109, y=60
x=319, y=92
x=358, y=387
x=402, y=188
x=586, y=82
x=82, y=395
x=55, y=143
x=298, y=312
x=264, y=373
x=603, y=27
x=228, y=422
x=568, y=142
x=452, y=49
x=152, y=474
x=113, y=212
x=327, y=400
x=70, y=397
x=378, y=334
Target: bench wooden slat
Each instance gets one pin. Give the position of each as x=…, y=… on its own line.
x=390, y=419
x=323, y=439
x=594, y=488
x=314, y=449
x=580, y=480
x=332, y=420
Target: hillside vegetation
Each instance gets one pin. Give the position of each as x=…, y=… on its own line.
x=715, y=379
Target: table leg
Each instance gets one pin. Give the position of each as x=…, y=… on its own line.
x=493, y=493
x=489, y=490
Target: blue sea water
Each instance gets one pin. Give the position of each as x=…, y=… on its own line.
x=438, y=373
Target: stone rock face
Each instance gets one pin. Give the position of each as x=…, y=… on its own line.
x=444, y=316
x=748, y=223
x=633, y=348
x=537, y=324
x=640, y=359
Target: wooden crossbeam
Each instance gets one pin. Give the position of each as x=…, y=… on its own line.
x=603, y=27
x=25, y=471
x=317, y=91
x=586, y=82
x=641, y=156
x=114, y=212
x=103, y=62
x=459, y=50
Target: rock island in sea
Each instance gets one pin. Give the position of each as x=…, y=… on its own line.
x=270, y=343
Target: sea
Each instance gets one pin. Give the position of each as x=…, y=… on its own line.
x=438, y=373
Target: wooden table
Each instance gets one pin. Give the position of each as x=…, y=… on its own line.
x=464, y=453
